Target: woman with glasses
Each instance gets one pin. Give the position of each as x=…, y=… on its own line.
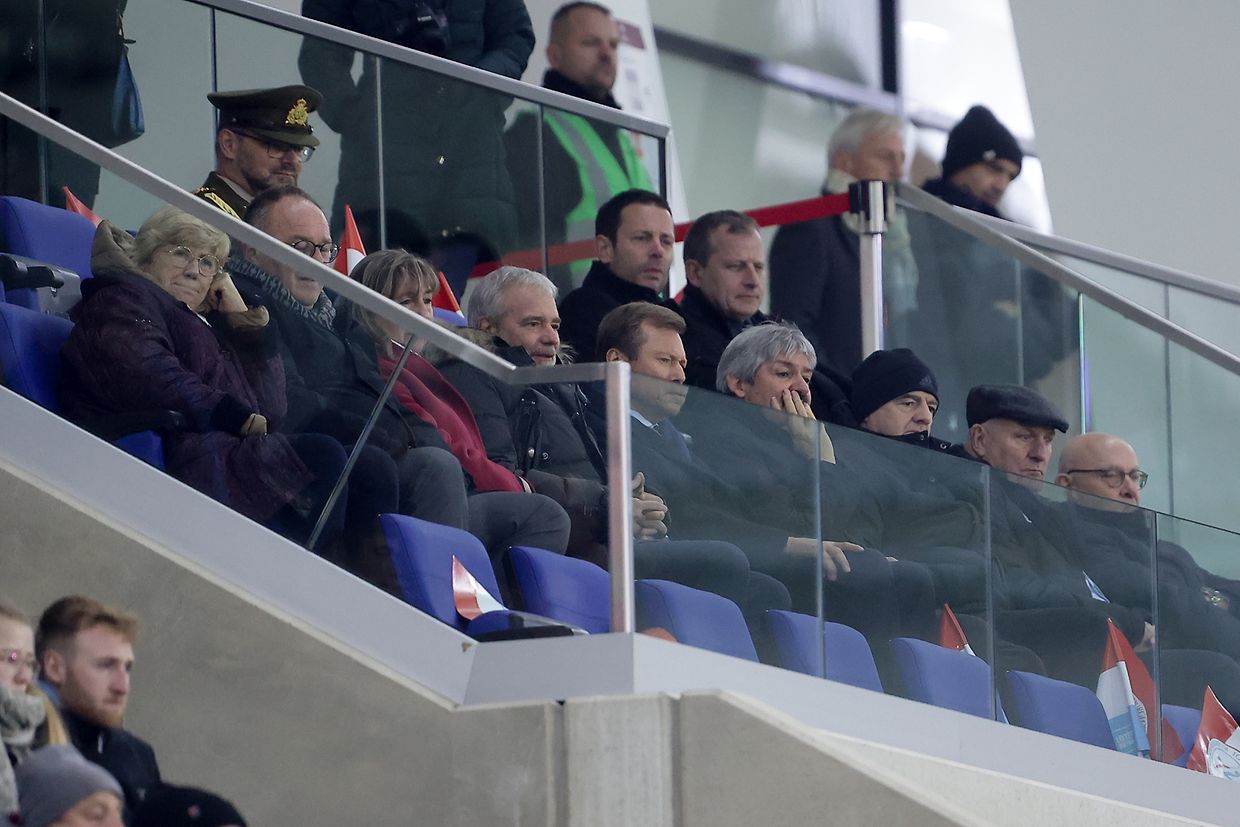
x=161, y=327
x=28, y=720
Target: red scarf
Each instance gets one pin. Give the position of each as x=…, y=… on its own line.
x=423, y=391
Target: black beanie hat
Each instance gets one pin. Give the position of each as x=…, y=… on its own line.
x=886, y=375
x=171, y=806
x=979, y=137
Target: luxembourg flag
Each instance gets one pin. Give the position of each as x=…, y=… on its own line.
x=471, y=598
x=74, y=204
x=951, y=636
x=1125, y=710
x=1215, y=749
x=351, y=249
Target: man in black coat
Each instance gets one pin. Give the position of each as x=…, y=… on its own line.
x=541, y=433
x=85, y=654
x=634, y=242
x=726, y=274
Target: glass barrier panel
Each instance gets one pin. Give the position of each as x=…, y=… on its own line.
x=1198, y=618
x=983, y=317
x=1071, y=562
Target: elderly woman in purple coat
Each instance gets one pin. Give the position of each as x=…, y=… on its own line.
x=161, y=327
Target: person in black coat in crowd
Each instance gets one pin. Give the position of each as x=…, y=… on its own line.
x=85, y=654
x=634, y=241
x=541, y=432
x=726, y=277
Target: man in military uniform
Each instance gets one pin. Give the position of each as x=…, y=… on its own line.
x=264, y=137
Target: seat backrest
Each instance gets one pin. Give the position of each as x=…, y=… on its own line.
x=844, y=656
x=694, y=617
x=30, y=353
x=1057, y=708
x=566, y=589
x=1185, y=721
x=943, y=677
x=422, y=555
x=48, y=234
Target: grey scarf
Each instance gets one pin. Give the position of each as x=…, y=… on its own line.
x=321, y=312
x=20, y=717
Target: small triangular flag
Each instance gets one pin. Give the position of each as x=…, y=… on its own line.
x=471, y=598
x=951, y=636
x=444, y=298
x=1216, y=725
x=74, y=204
x=351, y=249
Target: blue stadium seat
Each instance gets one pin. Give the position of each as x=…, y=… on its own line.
x=1185, y=721
x=694, y=618
x=46, y=234
x=1057, y=708
x=30, y=345
x=571, y=591
x=450, y=317
x=943, y=677
x=844, y=657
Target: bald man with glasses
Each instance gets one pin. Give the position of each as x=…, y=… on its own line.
x=1118, y=544
x=263, y=139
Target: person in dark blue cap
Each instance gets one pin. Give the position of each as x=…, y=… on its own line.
x=1011, y=428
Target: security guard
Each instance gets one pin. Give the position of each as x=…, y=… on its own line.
x=264, y=137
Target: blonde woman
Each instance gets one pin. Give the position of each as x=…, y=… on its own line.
x=28, y=720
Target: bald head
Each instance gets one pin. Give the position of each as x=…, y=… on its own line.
x=1102, y=465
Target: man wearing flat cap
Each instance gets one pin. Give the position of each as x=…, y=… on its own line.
x=1011, y=428
x=263, y=139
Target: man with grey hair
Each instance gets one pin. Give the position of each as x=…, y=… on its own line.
x=815, y=265
x=518, y=306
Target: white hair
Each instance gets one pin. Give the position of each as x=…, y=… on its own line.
x=859, y=125
x=753, y=348
x=487, y=299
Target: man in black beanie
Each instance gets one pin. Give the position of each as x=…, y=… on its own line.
x=982, y=159
x=895, y=394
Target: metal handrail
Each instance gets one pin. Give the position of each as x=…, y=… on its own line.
x=994, y=235
x=438, y=65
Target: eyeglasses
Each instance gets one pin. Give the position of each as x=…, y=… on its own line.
x=15, y=657
x=1113, y=476
x=275, y=149
x=208, y=265
x=328, y=249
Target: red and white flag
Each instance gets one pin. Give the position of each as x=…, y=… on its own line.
x=74, y=204
x=471, y=598
x=445, y=299
x=1127, y=694
x=351, y=249
x=951, y=636
x=1218, y=741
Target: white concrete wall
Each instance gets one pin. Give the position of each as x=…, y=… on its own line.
x=1134, y=108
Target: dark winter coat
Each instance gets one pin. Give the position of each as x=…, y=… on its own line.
x=128, y=758
x=600, y=293
x=443, y=151
x=137, y=348
x=707, y=334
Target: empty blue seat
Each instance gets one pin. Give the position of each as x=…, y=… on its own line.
x=571, y=591
x=694, y=617
x=943, y=677
x=46, y=234
x=844, y=655
x=1185, y=721
x=1057, y=708
x=30, y=345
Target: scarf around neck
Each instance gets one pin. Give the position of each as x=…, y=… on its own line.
x=20, y=717
x=321, y=312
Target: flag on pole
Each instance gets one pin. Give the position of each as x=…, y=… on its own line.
x=1127, y=694
x=74, y=204
x=1217, y=730
x=445, y=299
x=951, y=636
x=351, y=249
x=471, y=598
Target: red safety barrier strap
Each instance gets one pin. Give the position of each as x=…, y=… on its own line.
x=774, y=215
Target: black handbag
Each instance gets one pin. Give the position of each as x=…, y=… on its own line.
x=127, y=122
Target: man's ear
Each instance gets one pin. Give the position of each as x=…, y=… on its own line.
x=734, y=386
x=226, y=144
x=604, y=250
x=486, y=325
x=977, y=441
x=1063, y=480
x=53, y=667
x=553, y=55
x=693, y=272
x=842, y=159
x=614, y=355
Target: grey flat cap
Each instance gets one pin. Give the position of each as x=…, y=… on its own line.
x=1014, y=402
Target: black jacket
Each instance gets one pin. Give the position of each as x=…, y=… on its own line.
x=600, y=293
x=129, y=759
x=707, y=334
